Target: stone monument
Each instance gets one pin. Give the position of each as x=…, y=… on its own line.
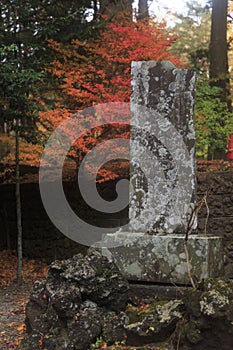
x=163, y=181
x=162, y=125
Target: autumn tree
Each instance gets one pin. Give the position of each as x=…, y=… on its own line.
x=16, y=106
x=98, y=71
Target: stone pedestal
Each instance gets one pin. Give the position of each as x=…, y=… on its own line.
x=162, y=259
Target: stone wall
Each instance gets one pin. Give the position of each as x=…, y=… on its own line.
x=40, y=238
x=43, y=240
x=219, y=187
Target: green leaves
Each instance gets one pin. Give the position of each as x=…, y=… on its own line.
x=213, y=121
x=193, y=31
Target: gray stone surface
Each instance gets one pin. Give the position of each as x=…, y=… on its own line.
x=162, y=259
x=162, y=147
x=143, y=291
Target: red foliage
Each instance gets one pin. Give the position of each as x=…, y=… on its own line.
x=143, y=304
x=102, y=72
x=98, y=71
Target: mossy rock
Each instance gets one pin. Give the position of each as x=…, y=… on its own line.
x=156, y=320
x=208, y=318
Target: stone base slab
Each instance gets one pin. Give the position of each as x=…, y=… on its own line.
x=162, y=259
x=145, y=290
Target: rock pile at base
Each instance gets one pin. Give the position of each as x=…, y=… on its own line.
x=85, y=303
x=80, y=300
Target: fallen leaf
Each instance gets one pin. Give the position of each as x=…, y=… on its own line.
x=21, y=328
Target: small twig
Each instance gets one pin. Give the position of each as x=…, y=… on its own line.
x=194, y=215
x=188, y=264
x=191, y=223
x=178, y=290
x=207, y=214
x=178, y=341
x=176, y=335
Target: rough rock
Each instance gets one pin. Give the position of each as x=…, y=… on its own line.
x=208, y=318
x=83, y=304
x=80, y=300
x=155, y=320
x=85, y=327
x=114, y=327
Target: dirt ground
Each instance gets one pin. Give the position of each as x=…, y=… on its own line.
x=13, y=299
x=12, y=314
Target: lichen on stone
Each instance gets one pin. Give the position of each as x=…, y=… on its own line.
x=212, y=302
x=169, y=310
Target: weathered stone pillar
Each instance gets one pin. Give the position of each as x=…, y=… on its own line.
x=162, y=147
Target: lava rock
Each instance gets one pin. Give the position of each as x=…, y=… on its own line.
x=83, y=304
x=81, y=300
x=85, y=327
x=114, y=327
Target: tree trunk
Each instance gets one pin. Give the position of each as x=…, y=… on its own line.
x=219, y=75
x=112, y=7
x=143, y=10
x=218, y=47
x=18, y=207
x=95, y=8
x=5, y=221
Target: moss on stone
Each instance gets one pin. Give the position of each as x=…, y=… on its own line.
x=138, y=313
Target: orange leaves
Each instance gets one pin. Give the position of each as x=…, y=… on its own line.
x=126, y=41
x=21, y=328
x=12, y=324
x=29, y=154
x=51, y=119
x=98, y=71
x=13, y=299
x=31, y=269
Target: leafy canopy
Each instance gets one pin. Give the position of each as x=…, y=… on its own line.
x=98, y=71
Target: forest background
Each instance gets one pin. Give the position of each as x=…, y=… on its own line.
x=59, y=57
